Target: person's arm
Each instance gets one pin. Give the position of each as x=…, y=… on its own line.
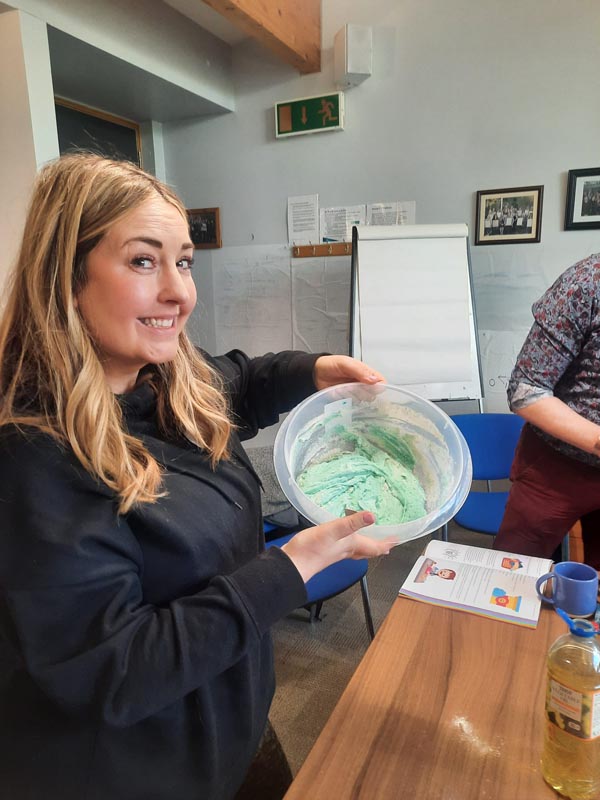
x=314, y=549
x=563, y=317
x=260, y=389
x=72, y=603
x=556, y=418
x=333, y=370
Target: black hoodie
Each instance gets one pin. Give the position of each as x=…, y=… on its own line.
x=135, y=655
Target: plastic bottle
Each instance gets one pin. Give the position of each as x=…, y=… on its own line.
x=571, y=753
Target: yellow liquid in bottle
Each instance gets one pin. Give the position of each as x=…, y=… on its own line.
x=571, y=763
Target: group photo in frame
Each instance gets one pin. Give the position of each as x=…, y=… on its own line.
x=509, y=216
x=582, y=211
x=205, y=228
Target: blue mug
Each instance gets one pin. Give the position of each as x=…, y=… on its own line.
x=575, y=588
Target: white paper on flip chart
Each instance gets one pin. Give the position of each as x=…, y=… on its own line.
x=303, y=219
x=402, y=212
x=337, y=222
x=399, y=307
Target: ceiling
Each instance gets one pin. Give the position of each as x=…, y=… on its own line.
x=93, y=77
x=208, y=19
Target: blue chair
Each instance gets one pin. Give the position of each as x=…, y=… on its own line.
x=492, y=439
x=332, y=581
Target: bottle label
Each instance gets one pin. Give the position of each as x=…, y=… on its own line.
x=577, y=713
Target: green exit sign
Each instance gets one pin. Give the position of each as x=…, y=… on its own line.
x=310, y=115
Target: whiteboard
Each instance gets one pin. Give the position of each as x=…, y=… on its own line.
x=412, y=315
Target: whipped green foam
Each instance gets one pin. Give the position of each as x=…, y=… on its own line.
x=370, y=470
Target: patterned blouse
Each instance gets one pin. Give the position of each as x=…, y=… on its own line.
x=561, y=354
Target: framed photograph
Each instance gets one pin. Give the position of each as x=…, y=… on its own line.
x=583, y=199
x=509, y=216
x=205, y=228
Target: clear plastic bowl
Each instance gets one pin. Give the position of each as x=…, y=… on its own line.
x=310, y=433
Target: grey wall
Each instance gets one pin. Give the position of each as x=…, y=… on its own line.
x=464, y=96
x=140, y=59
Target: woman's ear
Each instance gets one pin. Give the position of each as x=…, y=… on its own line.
x=75, y=301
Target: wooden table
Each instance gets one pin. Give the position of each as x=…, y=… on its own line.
x=444, y=706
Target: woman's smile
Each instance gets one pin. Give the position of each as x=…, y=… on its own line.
x=161, y=323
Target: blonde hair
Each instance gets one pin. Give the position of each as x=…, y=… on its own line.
x=50, y=375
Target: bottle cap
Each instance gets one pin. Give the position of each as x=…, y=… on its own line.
x=580, y=627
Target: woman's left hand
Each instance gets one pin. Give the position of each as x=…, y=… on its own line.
x=332, y=370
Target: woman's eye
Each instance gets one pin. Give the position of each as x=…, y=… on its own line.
x=145, y=262
x=185, y=263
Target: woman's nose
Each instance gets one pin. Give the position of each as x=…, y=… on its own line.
x=174, y=286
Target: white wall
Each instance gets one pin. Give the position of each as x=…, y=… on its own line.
x=464, y=96
x=28, y=135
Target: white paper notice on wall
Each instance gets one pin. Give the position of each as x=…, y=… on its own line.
x=303, y=219
x=402, y=212
x=498, y=351
x=337, y=222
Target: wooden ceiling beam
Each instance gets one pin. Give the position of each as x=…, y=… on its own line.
x=289, y=28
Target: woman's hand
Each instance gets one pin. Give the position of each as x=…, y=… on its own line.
x=315, y=548
x=332, y=370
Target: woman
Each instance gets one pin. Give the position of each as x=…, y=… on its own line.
x=555, y=386
x=136, y=592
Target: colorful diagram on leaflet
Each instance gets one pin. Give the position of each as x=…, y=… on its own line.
x=500, y=598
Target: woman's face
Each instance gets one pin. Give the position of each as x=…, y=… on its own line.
x=139, y=291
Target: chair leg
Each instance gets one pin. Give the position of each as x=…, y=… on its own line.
x=314, y=609
x=444, y=533
x=364, y=588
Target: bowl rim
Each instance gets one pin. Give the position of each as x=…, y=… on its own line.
x=459, y=488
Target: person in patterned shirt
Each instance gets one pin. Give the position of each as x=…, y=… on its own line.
x=555, y=387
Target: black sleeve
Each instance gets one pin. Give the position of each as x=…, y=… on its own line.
x=260, y=389
x=71, y=602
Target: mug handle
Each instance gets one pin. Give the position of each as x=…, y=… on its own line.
x=540, y=593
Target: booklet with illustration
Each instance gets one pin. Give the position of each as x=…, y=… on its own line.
x=481, y=581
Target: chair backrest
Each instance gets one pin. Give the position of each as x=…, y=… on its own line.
x=492, y=439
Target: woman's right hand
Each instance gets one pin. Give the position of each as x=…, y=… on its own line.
x=315, y=548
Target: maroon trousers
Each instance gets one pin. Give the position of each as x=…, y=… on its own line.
x=549, y=493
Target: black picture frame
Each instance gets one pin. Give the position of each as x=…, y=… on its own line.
x=509, y=216
x=582, y=209
x=205, y=228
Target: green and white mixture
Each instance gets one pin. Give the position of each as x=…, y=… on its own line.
x=370, y=469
